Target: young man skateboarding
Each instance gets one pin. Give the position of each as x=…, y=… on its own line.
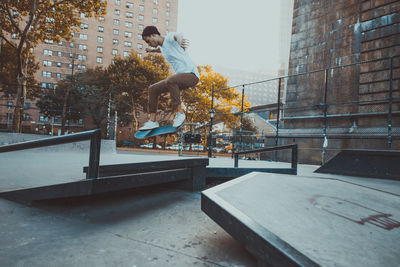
x=173, y=48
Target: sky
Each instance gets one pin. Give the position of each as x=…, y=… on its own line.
x=241, y=35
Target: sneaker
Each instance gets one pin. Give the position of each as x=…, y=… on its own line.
x=149, y=125
x=179, y=119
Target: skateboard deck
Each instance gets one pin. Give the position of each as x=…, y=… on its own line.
x=168, y=129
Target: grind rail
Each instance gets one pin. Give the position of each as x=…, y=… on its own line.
x=275, y=148
x=94, y=154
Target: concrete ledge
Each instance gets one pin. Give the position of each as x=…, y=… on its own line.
x=286, y=220
x=96, y=186
x=366, y=163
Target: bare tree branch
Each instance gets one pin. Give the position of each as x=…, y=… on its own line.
x=7, y=41
x=13, y=22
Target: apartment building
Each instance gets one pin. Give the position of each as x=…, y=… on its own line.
x=96, y=43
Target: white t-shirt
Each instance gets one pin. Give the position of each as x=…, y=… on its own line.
x=175, y=55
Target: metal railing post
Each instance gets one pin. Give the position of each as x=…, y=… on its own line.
x=294, y=157
x=390, y=103
x=94, y=158
x=325, y=141
x=241, y=120
x=236, y=164
x=278, y=118
x=212, y=112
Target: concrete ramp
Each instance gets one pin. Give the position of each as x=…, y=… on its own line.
x=286, y=220
x=365, y=163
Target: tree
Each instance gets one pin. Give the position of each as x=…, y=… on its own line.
x=34, y=21
x=8, y=72
x=130, y=78
x=51, y=103
x=96, y=89
x=197, y=100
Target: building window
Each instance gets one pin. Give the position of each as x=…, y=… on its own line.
x=27, y=117
x=99, y=49
x=114, y=51
x=129, y=5
x=101, y=29
x=58, y=75
x=45, y=85
x=155, y=2
x=167, y=13
x=155, y=11
x=84, y=26
x=59, y=64
x=128, y=44
x=126, y=53
x=128, y=24
x=99, y=60
x=9, y=104
x=116, y=21
x=83, y=36
x=70, y=66
x=168, y=4
x=28, y=105
x=117, y=2
x=46, y=41
x=47, y=63
x=129, y=14
x=141, y=17
x=128, y=34
x=59, y=53
x=140, y=27
x=99, y=39
x=141, y=8
x=82, y=57
x=46, y=74
x=47, y=52
x=82, y=47
x=140, y=46
x=101, y=19
x=115, y=41
x=116, y=32
x=166, y=23
x=155, y=20
x=43, y=118
x=140, y=37
x=140, y=55
x=14, y=36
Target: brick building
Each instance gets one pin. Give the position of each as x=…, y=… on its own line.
x=95, y=45
x=362, y=100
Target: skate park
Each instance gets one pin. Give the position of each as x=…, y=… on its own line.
x=298, y=168
x=76, y=199
x=262, y=218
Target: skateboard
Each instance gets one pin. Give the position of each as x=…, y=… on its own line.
x=157, y=131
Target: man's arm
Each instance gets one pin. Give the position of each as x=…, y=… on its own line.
x=183, y=42
x=153, y=50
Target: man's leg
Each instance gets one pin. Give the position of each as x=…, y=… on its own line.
x=176, y=83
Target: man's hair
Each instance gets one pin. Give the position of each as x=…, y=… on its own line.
x=149, y=30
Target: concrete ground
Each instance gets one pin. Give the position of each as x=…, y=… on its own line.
x=142, y=227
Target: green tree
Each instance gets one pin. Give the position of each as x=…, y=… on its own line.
x=130, y=78
x=34, y=21
x=51, y=102
x=9, y=70
x=95, y=86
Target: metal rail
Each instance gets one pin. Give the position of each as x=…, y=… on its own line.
x=275, y=148
x=95, y=142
